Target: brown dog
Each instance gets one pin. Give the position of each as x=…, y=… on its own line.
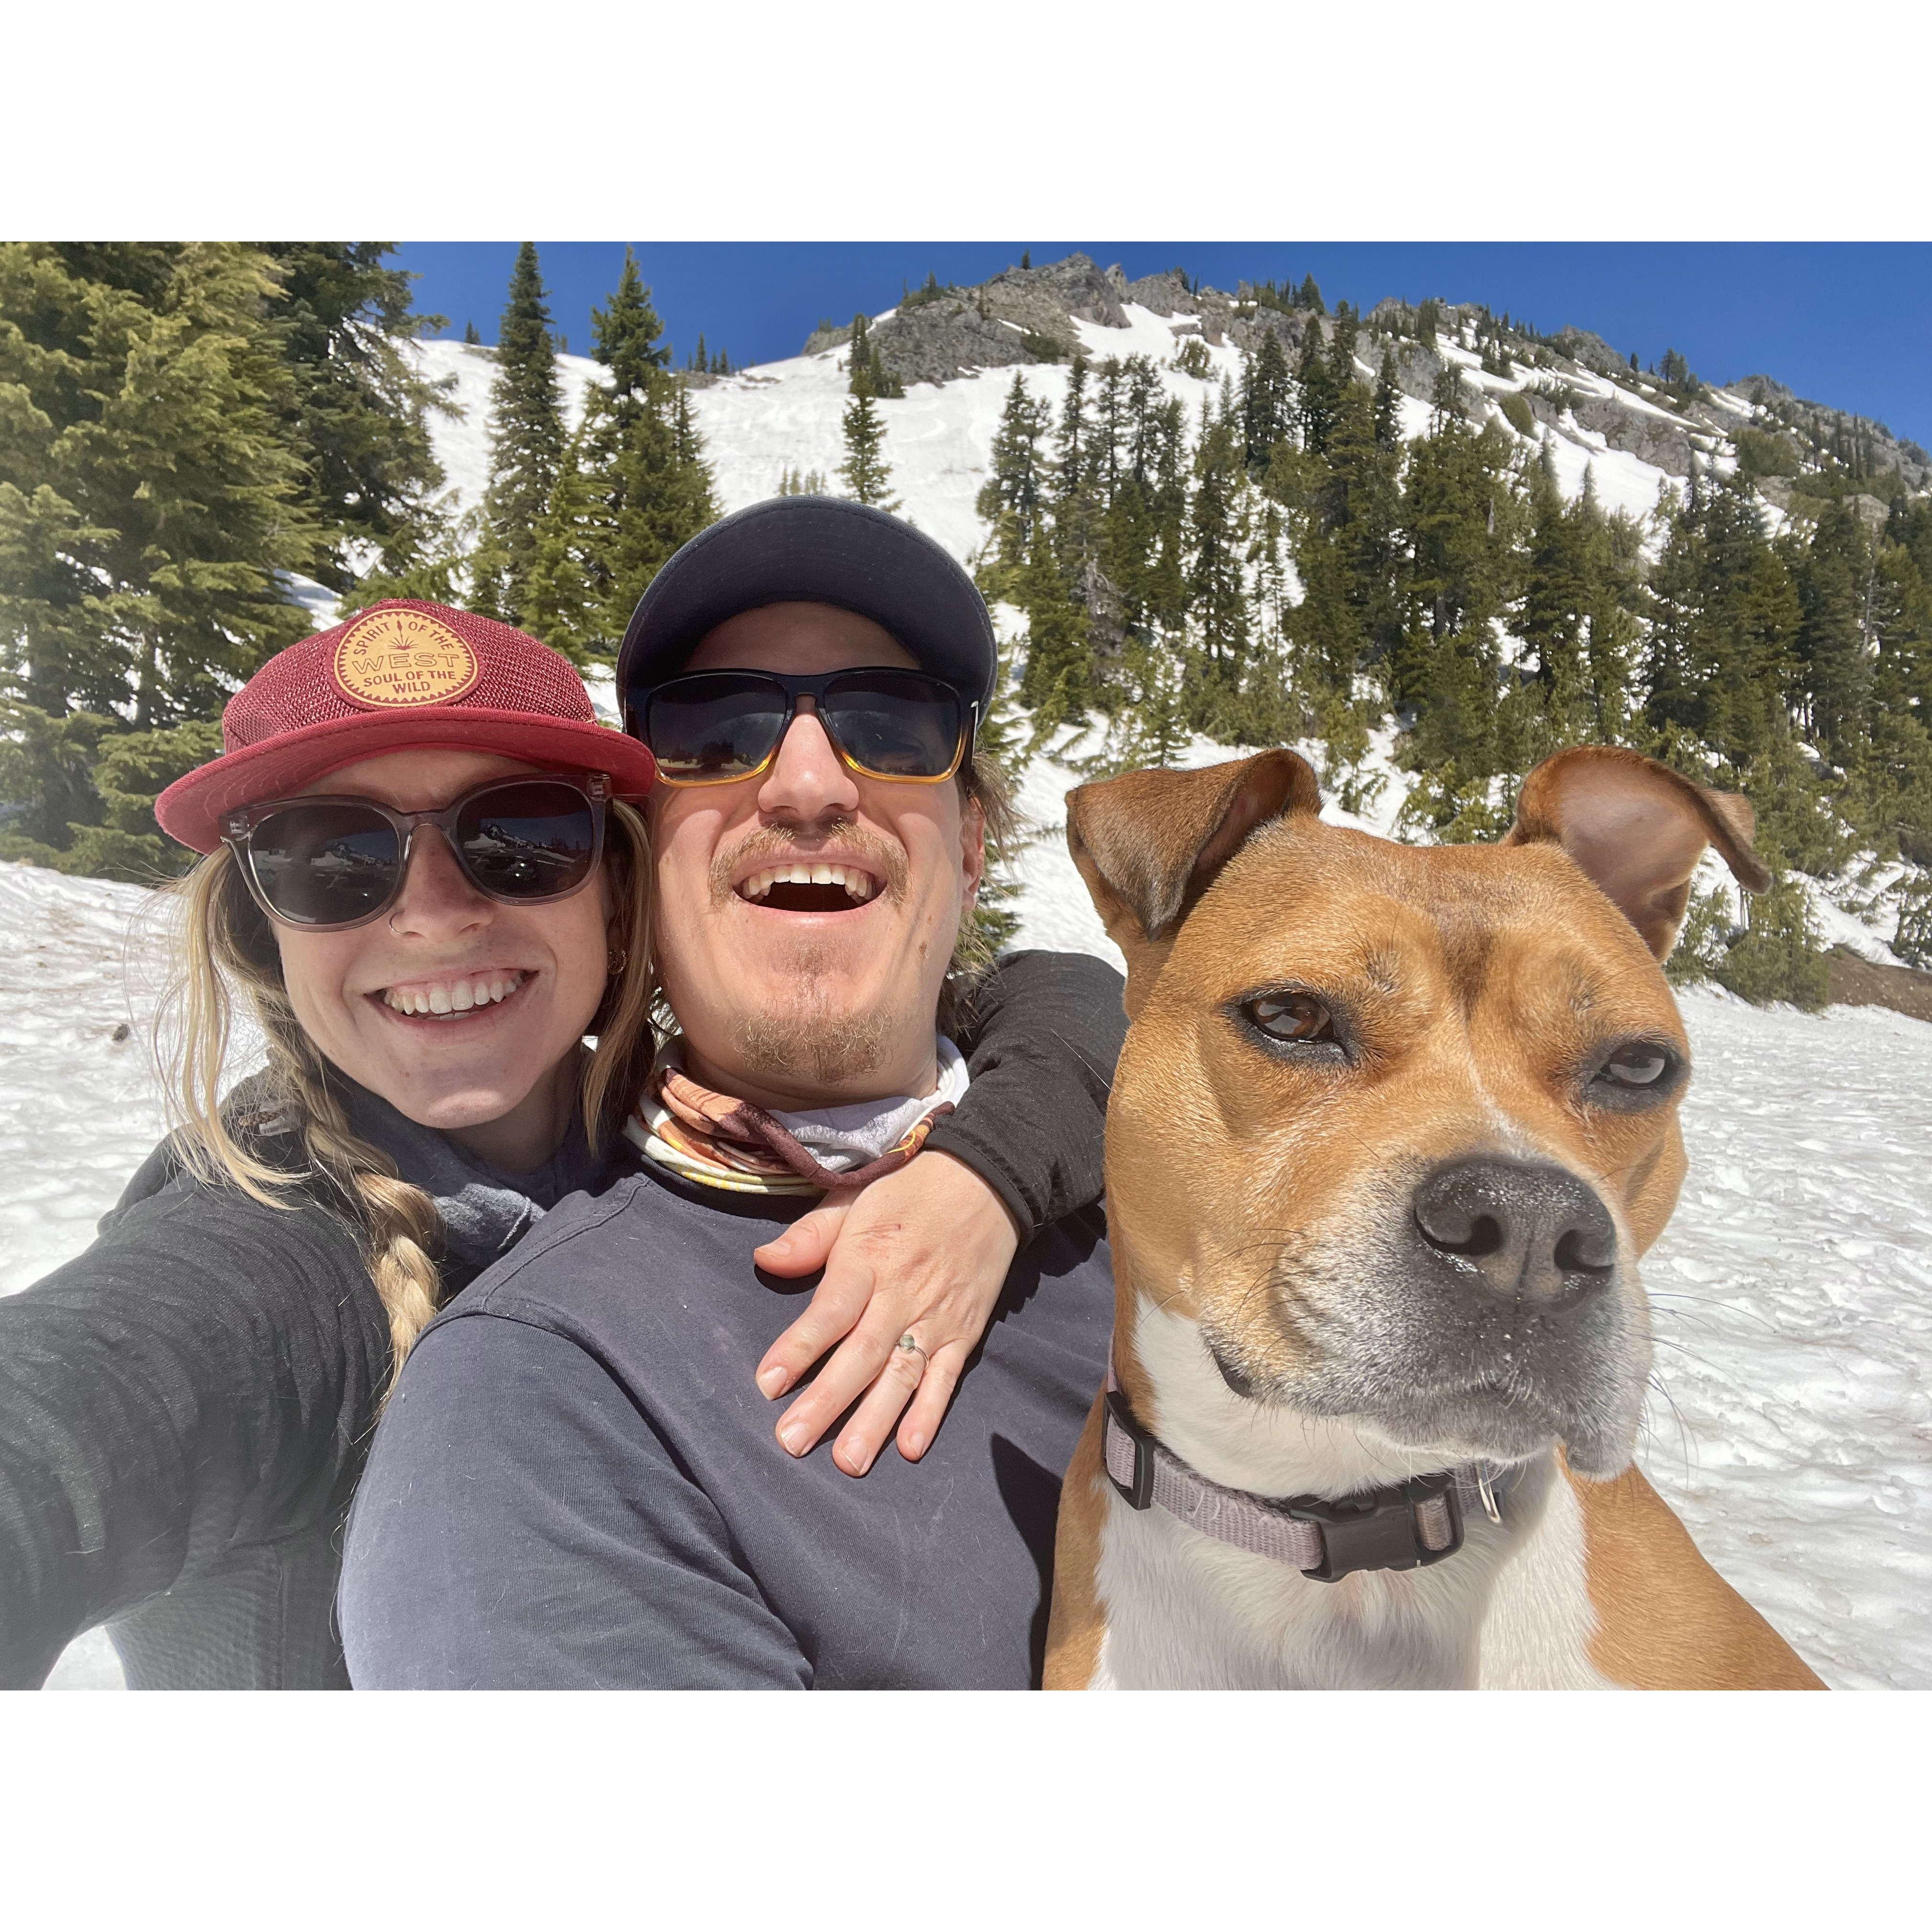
x=1391, y=1129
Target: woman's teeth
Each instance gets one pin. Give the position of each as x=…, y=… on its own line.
x=859, y=886
x=453, y=996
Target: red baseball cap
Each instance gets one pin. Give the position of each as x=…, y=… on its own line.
x=400, y=675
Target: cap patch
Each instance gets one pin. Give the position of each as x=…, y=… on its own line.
x=398, y=657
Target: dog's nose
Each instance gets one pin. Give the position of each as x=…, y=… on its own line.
x=1523, y=1227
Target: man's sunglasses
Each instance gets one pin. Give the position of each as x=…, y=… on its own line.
x=714, y=726
x=328, y=864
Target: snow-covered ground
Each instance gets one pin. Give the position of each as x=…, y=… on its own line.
x=1792, y=1429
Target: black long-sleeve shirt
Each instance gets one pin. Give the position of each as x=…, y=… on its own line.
x=185, y=1407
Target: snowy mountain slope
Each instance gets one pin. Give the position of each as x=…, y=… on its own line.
x=786, y=416
x=1792, y=1293
x=780, y=416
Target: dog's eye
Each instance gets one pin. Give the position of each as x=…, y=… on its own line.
x=1295, y=1017
x=1640, y=1064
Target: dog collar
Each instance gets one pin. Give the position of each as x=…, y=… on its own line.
x=1406, y=1526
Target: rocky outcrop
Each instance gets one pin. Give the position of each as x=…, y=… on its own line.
x=939, y=340
x=827, y=335
x=1879, y=448
x=1589, y=352
x=1652, y=438
x=1021, y=315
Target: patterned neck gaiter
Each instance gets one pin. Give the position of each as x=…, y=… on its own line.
x=719, y=1140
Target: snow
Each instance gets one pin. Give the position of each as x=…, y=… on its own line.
x=1793, y=1426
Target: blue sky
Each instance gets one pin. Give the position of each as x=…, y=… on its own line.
x=1845, y=323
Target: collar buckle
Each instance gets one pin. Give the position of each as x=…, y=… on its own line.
x=1379, y=1530
x=1138, y=1492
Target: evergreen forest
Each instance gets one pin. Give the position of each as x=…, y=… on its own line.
x=203, y=446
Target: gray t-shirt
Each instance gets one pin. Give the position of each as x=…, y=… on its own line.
x=577, y=1483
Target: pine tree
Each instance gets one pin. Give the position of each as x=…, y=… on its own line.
x=1614, y=571
x=1556, y=594
x=360, y=408
x=1308, y=296
x=867, y=476
x=1724, y=617
x=151, y=505
x=1445, y=398
x=1217, y=590
x=1834, y=646
x=1014, y=493
x=1388, y=404
x=1320, y=386
x=1265, y=401
x=527, y=442
x=1446, y=669
x=642, y=487
x=570, y=575
x=867, y=374
x=471, y=340
x=1057, y=683
x=1342, y=344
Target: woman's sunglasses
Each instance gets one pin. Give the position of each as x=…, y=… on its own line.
x=328, y=864
x=714, y=726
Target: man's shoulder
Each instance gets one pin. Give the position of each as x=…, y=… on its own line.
x=593, y=1255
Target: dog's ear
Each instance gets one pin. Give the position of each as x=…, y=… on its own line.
x=1638, y=830
x=1149, y=844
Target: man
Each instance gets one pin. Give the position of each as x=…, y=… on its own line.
x=577, y=1483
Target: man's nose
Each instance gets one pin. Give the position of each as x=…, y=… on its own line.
x=807, y=780
x=437, y=900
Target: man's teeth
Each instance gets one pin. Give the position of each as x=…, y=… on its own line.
x=859, y=886
x=453, y=996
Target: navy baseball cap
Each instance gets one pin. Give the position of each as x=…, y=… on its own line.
x=814, y=550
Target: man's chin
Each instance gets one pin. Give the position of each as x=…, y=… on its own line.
x=807, y=1036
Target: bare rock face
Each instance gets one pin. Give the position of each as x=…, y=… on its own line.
x=1164, y=295
x=1652, y=438
x=1761, y=391
x=1246, y=330
x=826, y=336
x=1590, y=352
x=938, y=339
x=1022, y=315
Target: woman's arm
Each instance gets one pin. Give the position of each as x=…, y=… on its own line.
x=925, y=1251
x=1045, y=1031
x=202, y=1376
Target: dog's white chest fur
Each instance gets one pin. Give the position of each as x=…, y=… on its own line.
x=1510, y=1610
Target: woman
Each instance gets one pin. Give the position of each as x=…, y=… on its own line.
x=424, y=883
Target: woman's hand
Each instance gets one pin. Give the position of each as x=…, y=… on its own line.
x=924, y=1253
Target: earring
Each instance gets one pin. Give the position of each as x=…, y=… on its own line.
x=614, y=963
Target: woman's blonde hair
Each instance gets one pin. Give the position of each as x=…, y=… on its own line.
x=224, y=946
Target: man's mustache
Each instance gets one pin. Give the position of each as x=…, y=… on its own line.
x=880, y=854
